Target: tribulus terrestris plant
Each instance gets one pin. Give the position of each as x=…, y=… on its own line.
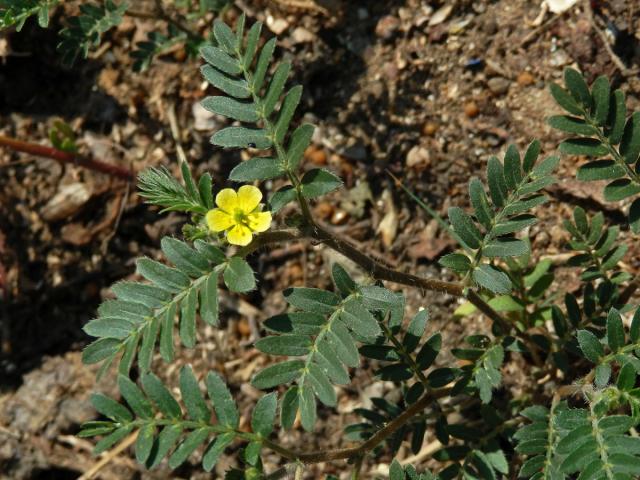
x=577, y=417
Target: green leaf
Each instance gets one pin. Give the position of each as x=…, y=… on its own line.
x=235, y=87
x=360, y=320
x=531, y=155
x=185, y=258
x=280, y=198
x=263, y=64
x=278, y=374
x=617, y=116
x=457, y=262
x=231, y=108
x=344, y=345
x=100, y=350
x=166, y=333
x=480, y=203
x=307, y=408
x=253, y=37
x=429, y=351
x=509, y=247
x=111, y=439
x=524, y=205
x=144, y=442
x=565, y=100
x=302, y=323
x=257, y=168
x=491, y=278
x=573, y=125
x=590, y=346
x=321, y=385
x=620, y=189
x=634, y=216
x=241, y=137
x=319, y=182
x=590, y=147
x=289, y=407
x=205, y=190
x=223, y=403
x=192, y=396
x=220, y=59
x=415, y=330
x=578, y=88
x=514, y=224
x=188, y=319
x=300, y=140
x=264, y=414
x=615, y=330
x=166, y=440
x=149, y=337
x=148, y=295
x=238, y=276
x=209, y=300
x=441, y=377
x=630, y=143
x=276, y=87
x=188, y=446
x=225, y=36
x=213, y=452
x=600, y=93
x=288, y=108
x=512, y=169
x=110, y=327
x=626, y=377
x=134, y=398
x=497, y=184
x=213, y=253
x=395, y=471
x=167, y=278
x=464, y=227
x=327, y=358
x=110, y=408
x=291, y=345
x=160, y=396
x=600, y=170
x=343, y=281
x=311, y=299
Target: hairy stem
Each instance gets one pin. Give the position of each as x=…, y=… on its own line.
x=65, y=157
x=363, y=447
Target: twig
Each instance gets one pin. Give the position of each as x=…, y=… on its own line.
x=65, y=157
x=624, y=70
x=109, y=456
x=363, y=447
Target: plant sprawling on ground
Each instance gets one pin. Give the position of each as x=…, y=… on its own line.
x=586, y=344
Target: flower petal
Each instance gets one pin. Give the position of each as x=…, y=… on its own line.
x=219, y=220
x=259, y=221
x=248, y=198
x=239, y=235
x=227, y=200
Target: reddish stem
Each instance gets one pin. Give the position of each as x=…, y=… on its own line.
x=65, y=157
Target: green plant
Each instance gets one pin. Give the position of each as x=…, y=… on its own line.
x=576, y=415
x=84, y=31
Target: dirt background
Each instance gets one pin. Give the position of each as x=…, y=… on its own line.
x=427, y=90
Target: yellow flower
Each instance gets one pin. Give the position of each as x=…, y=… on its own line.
x=239, y=214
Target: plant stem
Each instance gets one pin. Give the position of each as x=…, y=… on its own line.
x=363, y=447
x=65, y=157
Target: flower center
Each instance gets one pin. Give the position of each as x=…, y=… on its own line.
x=239, y=216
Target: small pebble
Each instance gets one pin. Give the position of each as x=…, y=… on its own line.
x=498, y=85
x=316, y=155
x=387, y=26
x=429, y=129
x=525, y=79
x=339, y=217
x=471, y=109
x=324, y=210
